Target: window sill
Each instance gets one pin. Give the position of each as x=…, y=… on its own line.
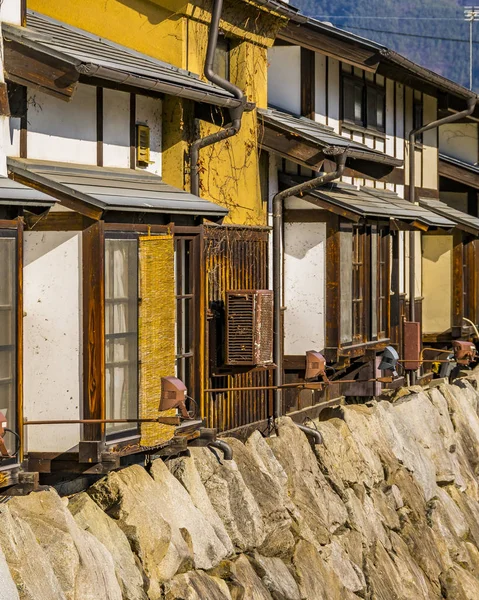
x=360, y=129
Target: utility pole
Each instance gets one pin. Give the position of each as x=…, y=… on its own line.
x=471, y=14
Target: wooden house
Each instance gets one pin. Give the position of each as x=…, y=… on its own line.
x=112, y=271
x=346, y=257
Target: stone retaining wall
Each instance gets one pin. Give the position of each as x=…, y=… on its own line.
x=386, y=509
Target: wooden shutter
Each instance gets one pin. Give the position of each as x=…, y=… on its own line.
x=156, y=329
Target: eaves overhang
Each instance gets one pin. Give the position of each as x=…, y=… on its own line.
x=54, y=56
x=309, y=144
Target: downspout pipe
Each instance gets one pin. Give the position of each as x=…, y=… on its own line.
x=224, y=447
x=236, y=113
x=278, y=201
x=471, y=104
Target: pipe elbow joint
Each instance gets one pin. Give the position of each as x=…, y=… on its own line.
x=311, y=433
x=224, y=447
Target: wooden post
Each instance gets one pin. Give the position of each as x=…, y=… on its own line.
x=93, y=251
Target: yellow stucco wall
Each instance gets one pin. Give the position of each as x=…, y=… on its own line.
x=437, y=282
x=177, y=32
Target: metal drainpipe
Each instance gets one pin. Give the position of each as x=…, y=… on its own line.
x=277, y=282
x=471, y=104
x=224, y=447
x=235, y=113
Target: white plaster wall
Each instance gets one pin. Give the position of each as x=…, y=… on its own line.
x=304, y=287
x=52, y=337
x=284, y=78
x=320, y=71
x=459, y=140
x=148, y=111
x=62, y=131
x=116, y=129
x=10, y=11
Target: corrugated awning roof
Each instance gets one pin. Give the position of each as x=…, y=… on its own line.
x=370, y=203
x=464, y=221
x=95, y=57
x=16, y=194
x=109, y=189
x=309, y=143
x=322, y=136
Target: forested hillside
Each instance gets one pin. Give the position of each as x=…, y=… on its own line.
x=430, y=32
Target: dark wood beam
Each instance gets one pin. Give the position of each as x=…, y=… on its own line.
x=328, y=45
x=93, y=254
x=459, y=174
x=29, y=67
x=307, y=83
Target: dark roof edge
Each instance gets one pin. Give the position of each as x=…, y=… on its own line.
x=14, y=33
x=459, y=163
x=460, y=225
x=430, y=76
x=385, y=55
x=155, y=85
x=282, y=8
x=16, y=167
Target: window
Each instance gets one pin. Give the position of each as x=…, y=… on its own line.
x=8, y=330
x=371, y=284
x=363, y=103
x=185, y=300
x=417, y=117
x=221, y=63
x=121, y=332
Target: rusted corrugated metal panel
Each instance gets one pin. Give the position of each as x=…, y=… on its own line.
x=236, y=258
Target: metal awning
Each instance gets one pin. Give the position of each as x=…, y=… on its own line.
x=309, y=143
x=85, y=55
x=94, y=191
x=356, y=204
x=16, y=194
x=463, y=220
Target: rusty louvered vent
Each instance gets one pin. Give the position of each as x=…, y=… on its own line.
x=249, y=327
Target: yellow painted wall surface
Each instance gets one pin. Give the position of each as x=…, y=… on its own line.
x=139, y=24
x=177, y=32
x=437, y=282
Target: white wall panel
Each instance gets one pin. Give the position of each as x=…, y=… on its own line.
x=52, y=337
x=334, y=81
x=459, y=140
x=116, y=129
x=305, y=289
x=62, y=131
x=11, y=11
x=320, y=88
x=284, y=78
x=148, y=111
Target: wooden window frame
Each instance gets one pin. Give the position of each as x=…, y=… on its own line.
x=14, y=230
x=367, y=90
x=187, y=292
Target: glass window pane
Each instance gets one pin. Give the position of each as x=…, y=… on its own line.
x=358, y=104
x=221, y=61
x=8, y=331
x=121, y=332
